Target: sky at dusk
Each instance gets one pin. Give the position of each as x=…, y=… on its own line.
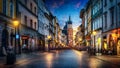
x=63, y=8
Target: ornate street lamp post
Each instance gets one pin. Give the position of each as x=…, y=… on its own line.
x=94, y=33
x=16, y=24
x=49, y=38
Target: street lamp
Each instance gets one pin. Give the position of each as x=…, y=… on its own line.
x=49, y=37
x=94, y=33
x=80, y=40
x=16, y=23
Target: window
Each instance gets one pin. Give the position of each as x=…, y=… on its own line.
x=119, y=13
x=112, y=16
x=31, y=6
x=4, y=6
x=25, y=20
x=105, y=3
x=35, y=10
x=105, y=19
x=111, y=0
x=93, y=25
x=31, y=23
x=35, y=25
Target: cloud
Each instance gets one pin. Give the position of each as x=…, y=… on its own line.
x=55, y=5
x=61, y=2
x=77, y=5
x=61, y=23
x=64, y=18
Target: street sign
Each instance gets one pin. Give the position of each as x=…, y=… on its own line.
x=17, y=36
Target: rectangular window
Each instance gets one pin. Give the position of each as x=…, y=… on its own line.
x=4, y=6
x=93, y=25
x=105, y=19
x=98, y=21
x=119, y=13
x=105, y=3
x=111, y=0
x=25, y=20
x=35, y=25
x=112, y=16
x=31, y=23
x=35, y=10
x=31, y=6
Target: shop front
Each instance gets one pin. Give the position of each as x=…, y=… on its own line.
x=111, y=43
x=24, y=42
x=41, y=43
x=118, y=47
x=97, y=42
x=88, y=43
x=104, y=44
x=118, y=42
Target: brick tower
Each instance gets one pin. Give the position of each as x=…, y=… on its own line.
x=70, y=32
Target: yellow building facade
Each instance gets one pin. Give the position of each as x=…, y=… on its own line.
x=7, y=29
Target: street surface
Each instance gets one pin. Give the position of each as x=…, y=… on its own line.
x=63, y=59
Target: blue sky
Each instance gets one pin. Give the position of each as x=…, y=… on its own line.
x=63, y=8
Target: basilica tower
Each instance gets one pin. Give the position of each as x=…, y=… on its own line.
x=70, y=32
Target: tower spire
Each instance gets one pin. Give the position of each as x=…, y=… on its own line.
x=69, y=18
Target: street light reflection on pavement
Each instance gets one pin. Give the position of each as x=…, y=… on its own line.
x=95, y=63
x=49, y=60
x=78, y=56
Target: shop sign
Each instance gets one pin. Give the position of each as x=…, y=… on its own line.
x=25, y=37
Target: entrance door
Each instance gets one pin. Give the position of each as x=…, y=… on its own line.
x=118, y=47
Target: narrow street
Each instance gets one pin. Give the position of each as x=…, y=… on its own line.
x=61, y=59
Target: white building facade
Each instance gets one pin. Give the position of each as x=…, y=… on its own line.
x=111, y=26
x=96, y=26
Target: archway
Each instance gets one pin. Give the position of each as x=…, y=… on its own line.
x=5, y=38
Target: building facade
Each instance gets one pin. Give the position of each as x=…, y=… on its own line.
x=86, y=22
x=57, y=33
x=96, y=34
x=89, y=29
x=43, y=24
x=104, y=26
x=111, y=31
x=7, y=28
x=64, y=39
x=28, y=16
x=92, y=17
x=79, y=37
x=36, y=23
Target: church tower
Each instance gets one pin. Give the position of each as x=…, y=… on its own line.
x=70, y=32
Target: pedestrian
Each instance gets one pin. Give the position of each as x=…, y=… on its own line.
x=11, y=58
x=110, y=52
